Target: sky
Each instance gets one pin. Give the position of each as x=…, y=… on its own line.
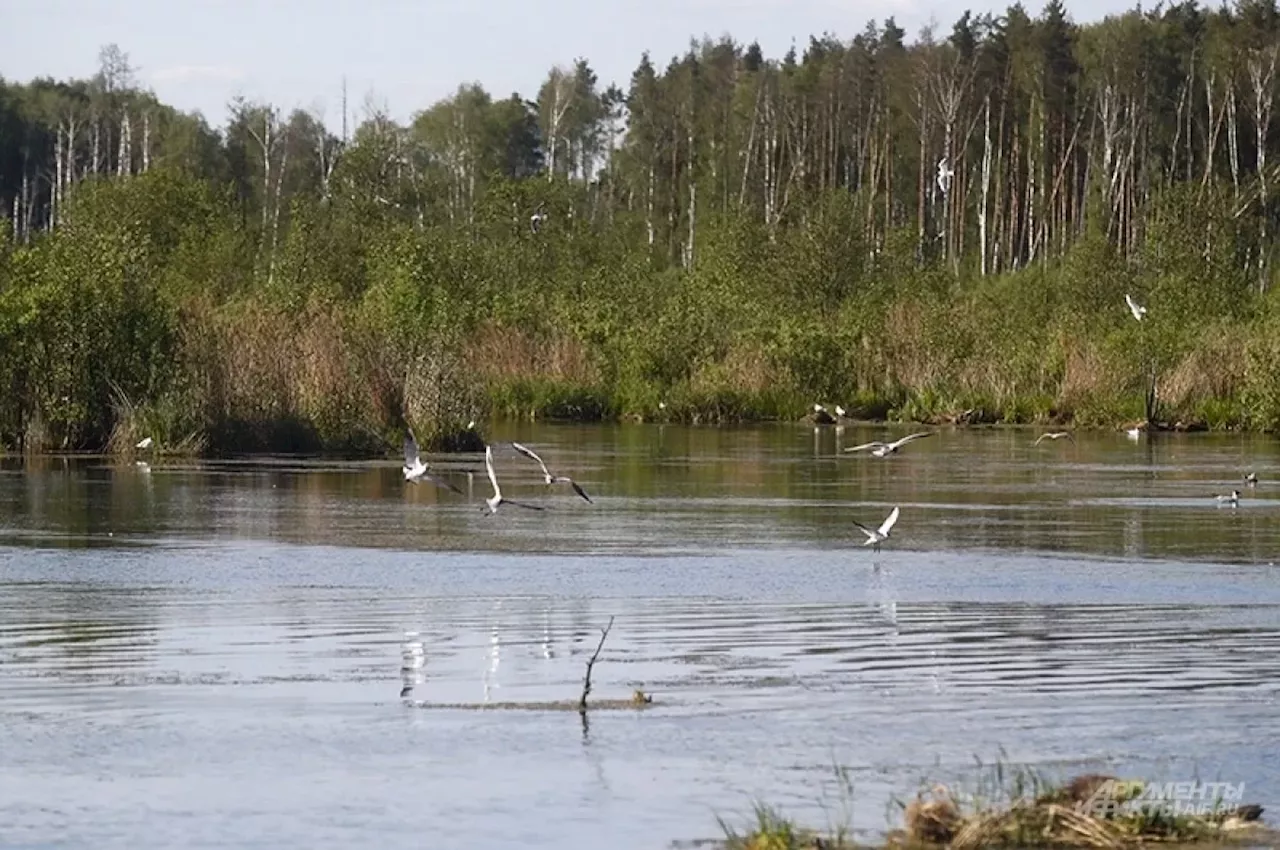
x=403, y=56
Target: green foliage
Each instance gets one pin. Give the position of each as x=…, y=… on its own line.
x=764, y=235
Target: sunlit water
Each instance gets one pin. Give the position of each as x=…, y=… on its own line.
x=211, y=653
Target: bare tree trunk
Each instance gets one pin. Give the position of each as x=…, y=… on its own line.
x=275, y=216
x=56, y=194
x=124, y=161
x=986, y=186
x=24, y=215
x=96, y=147
x=559, y=106
x=327, y=156
x=751, y=143
x=1233, y=143
x=146, y=142
x=923, y=108
x=693, y=195
x=648, y=209
x=1214, y=128
x=1262, y=68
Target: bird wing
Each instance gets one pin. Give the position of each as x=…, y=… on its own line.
x=870, y=534
x=440, y=482
x=888, y=523
x=875, y=444
x=410, y=450
x=529, y=453
x=488, y=465
x=910, y=437
x=1040, y=439
x=576, y=488
x=1133, y=307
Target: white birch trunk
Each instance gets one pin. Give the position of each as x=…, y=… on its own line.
x=986, y=186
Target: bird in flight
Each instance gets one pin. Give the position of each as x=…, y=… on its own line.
x=497, y=499
x=1054, y=435
x=415, y=470
x=877, y=536
x=880, y=449
x=546, y=474
x=1138, y=312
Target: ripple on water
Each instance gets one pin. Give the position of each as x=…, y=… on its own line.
x=198, y=673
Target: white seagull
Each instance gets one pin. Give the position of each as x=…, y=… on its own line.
x=497, y=499
x=822, y=416
x=546, y=474
x=874, y=538
x=537, y=219
x=1232, y=498
x=945, y=172
x=1054, y=435
x=880, y=449
x=1138, y=312
x=144, y=443
x=415, y=470
x=1251, y=479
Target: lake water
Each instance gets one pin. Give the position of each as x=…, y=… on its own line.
x=210, y=653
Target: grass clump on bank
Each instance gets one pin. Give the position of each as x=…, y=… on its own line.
x=1091, y=811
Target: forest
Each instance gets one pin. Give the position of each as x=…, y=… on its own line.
x=937, y=228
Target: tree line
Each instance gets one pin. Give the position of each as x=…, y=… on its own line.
x=923, y=228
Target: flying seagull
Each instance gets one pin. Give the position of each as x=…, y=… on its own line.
x=415, y=470
x=497, y=499
x=1232, y=498
x=546, y=474
x=1054, y=435
x=945, y=172
x=1138, y=312
x=874, y=538
x=880, y=449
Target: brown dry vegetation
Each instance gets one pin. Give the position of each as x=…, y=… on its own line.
x=1047, y=816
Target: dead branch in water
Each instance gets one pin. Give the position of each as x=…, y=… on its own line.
x=586, y=680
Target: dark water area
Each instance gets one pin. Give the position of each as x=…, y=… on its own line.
x=211, y=653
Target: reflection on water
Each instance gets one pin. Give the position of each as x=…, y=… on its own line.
x=212, y=648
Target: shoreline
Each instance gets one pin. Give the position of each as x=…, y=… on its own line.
x=462, y=442
x=469, y=441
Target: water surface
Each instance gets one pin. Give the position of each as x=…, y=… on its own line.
x=211, y=652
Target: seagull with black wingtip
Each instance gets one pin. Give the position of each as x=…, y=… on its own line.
x=546, y=474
